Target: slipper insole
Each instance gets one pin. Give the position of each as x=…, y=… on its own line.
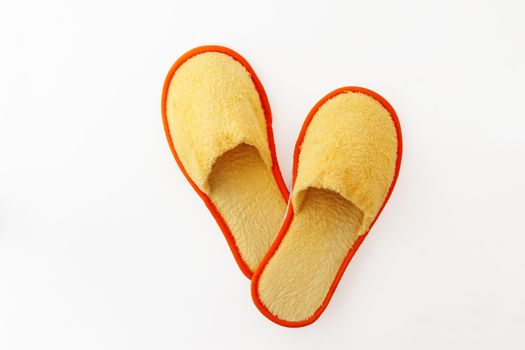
x=244, y=191
x=296, y=281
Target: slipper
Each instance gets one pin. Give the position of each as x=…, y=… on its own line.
x=346, y=163
x=218, y=124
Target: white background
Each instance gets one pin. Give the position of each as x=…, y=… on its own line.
x=103, y=244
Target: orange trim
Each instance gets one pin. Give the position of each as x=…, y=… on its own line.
x=268, y=115
x=290, y=212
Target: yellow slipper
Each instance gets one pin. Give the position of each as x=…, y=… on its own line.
x=218, y=124
x=346, y=163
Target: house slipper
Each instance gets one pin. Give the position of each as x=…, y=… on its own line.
x=346, y=163
x=218, y=124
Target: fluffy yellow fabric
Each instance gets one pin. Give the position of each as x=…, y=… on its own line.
x=218, y=128
x=245, y=193
x=346, y=166
x=212, y=107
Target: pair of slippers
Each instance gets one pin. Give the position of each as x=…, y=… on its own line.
x=293, y=246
